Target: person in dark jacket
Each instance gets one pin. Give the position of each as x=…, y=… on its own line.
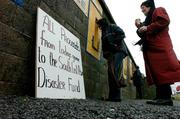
x=114, y=51
x=137, y=81
x=161, y=64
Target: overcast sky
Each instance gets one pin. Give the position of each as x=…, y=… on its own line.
x=125, y=12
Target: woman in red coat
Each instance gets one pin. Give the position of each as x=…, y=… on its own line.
x=161, y=64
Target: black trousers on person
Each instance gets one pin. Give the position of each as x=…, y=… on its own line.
x=139, y=94
x=114, y=63
x=114, y=91
x=163, y=91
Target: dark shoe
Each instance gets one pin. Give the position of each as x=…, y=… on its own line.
x=165, y=102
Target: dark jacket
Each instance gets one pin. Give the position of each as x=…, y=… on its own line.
x=112, y=40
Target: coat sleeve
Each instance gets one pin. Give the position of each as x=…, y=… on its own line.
x=160, y=21
x=118, y=34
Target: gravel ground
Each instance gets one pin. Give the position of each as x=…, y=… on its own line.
x=13, y=107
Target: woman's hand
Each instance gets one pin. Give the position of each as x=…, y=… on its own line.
x=142, y=29
x=138, y=23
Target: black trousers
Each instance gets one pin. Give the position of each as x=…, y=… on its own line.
x=113, y=72
x=163, y=91
x=139, y=94
x=114, y=91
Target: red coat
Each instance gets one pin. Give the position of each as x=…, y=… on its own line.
x=161, y=63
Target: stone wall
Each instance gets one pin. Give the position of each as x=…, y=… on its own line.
x=17, y=45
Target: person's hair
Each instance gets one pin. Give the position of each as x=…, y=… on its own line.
x=148, y=3
x=102, y=22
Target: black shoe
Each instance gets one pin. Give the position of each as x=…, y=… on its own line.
x=165, y=102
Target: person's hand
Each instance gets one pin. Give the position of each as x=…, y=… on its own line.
x=142, y=29
x=138, y=22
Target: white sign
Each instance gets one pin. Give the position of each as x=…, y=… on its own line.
x=175, y=88
x=59, y=72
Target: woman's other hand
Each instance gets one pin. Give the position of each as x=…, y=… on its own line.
x=142, y=29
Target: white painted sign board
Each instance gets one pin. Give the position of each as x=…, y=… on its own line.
x=59, y=72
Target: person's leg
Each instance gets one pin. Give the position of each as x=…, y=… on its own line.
x=158, y=93
x=114, y=91
x=163, y=95
x=118, y=58
x=110, y=81
x=114, y=94
x=165, y=91
x=138, y=92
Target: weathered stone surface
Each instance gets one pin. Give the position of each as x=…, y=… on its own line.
x=15, y=43
x=96, y=84
x=7, y=10
x=17, y=17
x=31, y=6
x=24, y=22
x=8, y=88
x=16, y=71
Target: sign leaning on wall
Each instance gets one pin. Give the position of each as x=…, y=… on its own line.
x=59, y=72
